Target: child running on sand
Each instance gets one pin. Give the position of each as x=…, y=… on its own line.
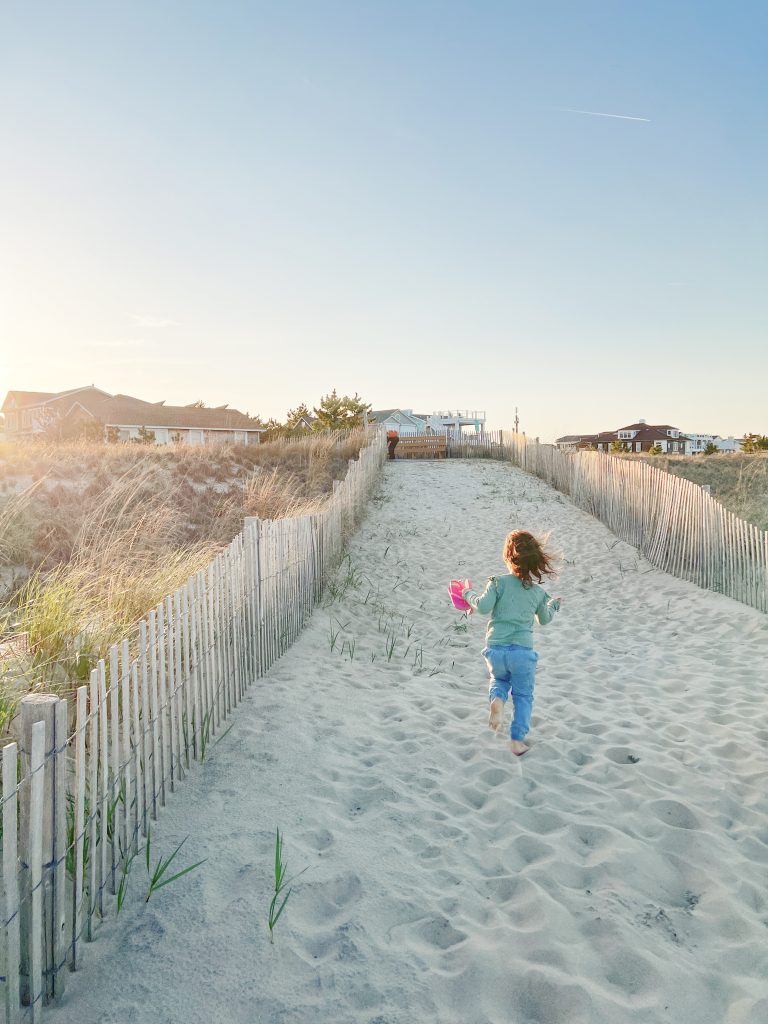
x=512, y=602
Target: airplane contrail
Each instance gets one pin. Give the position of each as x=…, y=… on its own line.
x=600, y=113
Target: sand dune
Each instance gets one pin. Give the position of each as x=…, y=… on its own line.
x=615, y=874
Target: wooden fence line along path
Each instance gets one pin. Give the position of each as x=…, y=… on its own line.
x=675, y=524
x=80, y=795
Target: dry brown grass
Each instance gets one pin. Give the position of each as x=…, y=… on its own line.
x=58, y=501
x=739, y=481
x=93, y=536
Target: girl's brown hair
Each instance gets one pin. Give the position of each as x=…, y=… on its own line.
x=526, y=558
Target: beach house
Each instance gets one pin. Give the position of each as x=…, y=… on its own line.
x=636, y=437
x=698, y=442
x=34, y=414
x=450, y=423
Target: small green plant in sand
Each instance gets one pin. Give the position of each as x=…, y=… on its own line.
x=157, y=877
x=122, y=888
x=71, y=842
x=347, y=577
x=281, y=884
x=205, y=732
x=333, y=636
x=391, y=645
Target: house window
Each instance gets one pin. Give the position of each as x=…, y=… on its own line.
x=638, y=446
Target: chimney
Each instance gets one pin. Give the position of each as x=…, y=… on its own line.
x=641, y=421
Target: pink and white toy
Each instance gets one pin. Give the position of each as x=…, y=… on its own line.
x=455, y=588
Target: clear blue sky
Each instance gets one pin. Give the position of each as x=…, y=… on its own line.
x=254, y=203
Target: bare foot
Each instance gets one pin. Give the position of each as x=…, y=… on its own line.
x=496, y=713
x=517, y=747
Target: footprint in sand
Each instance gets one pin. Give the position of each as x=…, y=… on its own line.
x=673, y=813
x=621, y=755
x=319, y=840
x=495, y=777
x=438, y=931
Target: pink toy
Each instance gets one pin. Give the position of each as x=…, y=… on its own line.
x=455, y=588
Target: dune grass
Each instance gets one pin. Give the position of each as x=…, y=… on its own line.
x=93, y=536
x=738, y=481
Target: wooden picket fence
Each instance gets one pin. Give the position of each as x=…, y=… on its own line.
x=675, y=524
x=481, y=445
x=81, y=789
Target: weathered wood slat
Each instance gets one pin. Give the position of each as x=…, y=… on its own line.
x=11, y=906
x=57, y=974
x=80, y=823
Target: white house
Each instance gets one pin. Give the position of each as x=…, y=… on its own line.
x=410, y=424
x=28, y=414
x=698, y=442
x=453, y=421
x=401, y=420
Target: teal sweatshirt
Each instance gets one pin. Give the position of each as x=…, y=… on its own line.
x=512, y=608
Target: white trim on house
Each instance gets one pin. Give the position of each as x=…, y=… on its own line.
x=188, y=435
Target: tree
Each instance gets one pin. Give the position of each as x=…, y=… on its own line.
x=340, y=412
x=293, y=416
x=754, y=443
x=656, y=449
x=145, y=436
x=619, y=446
x=112, y=435
x=710, y=448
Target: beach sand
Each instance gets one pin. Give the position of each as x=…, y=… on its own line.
x=616, y=873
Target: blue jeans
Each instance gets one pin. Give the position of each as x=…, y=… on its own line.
x=513, y=669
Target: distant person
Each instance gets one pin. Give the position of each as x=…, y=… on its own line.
x=513, y=601
x=392, y=438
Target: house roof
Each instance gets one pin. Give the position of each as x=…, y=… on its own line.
x=654, y=433
x=381, y=415
x=21, y=399
x=124, y=410
x=650, y=426
x=127, y=411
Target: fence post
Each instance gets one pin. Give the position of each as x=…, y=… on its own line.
x=43, y=911
x=11, y=882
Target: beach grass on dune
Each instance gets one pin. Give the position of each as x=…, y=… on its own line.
x=94, y=536
x=739, y=481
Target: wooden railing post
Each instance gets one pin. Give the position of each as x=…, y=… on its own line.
x=43, y=843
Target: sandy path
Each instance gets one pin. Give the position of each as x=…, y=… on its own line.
x=615, y=874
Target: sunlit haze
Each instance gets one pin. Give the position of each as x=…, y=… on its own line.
x=559, y=207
